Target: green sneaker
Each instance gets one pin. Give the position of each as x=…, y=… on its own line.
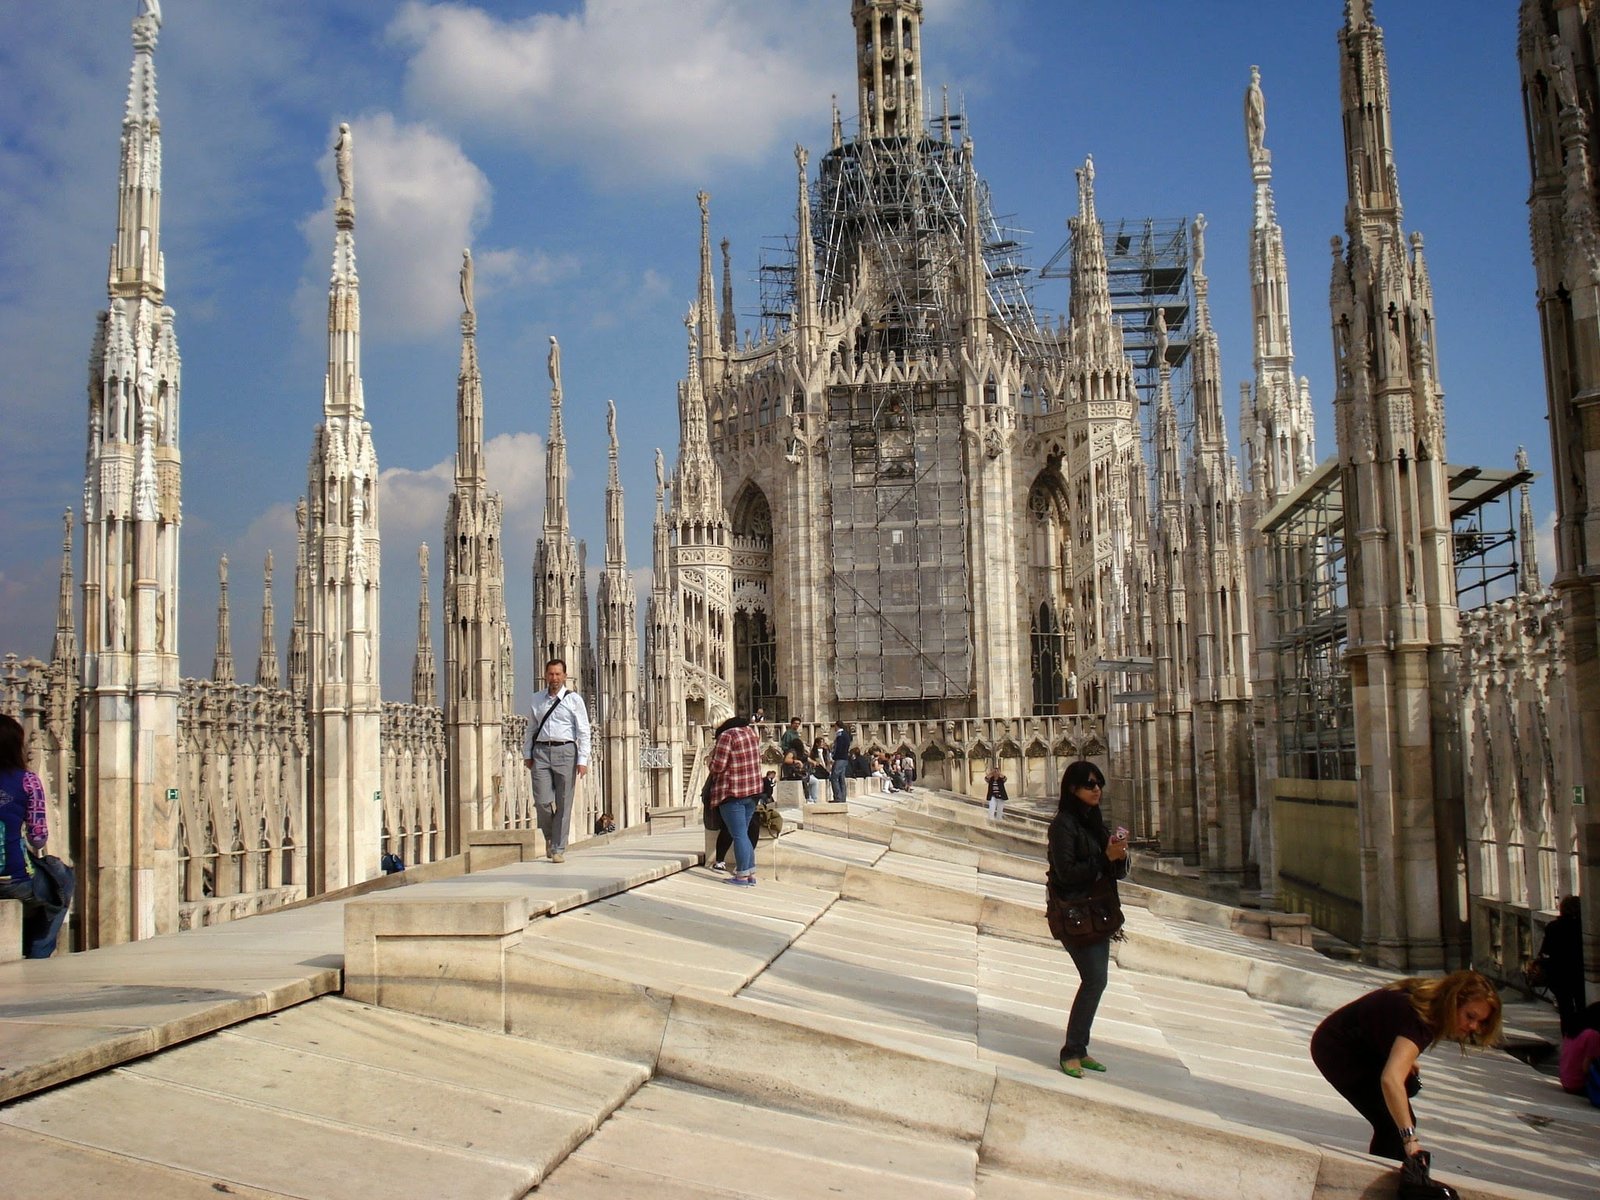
x=1092, y=1064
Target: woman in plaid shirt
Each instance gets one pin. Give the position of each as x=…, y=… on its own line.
x=735, y=770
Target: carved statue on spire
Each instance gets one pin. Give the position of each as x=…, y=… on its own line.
x=553, y=364
x=422, y=559
x=342, y=162
x=150, y=8
x=466, y=282
x=1199, y=244
x=611, y=421
x=661, y=472
x=1255, y=115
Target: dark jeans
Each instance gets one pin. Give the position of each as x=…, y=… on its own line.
x=1362, y=1087
x=1093, y=964
x=836, y=777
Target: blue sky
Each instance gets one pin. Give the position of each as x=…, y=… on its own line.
x=565, y=143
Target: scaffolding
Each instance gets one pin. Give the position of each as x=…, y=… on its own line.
x=1305, y=537
x=1147, y=269
x=901, y=203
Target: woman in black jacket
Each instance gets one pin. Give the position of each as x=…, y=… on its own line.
x=1085, y=859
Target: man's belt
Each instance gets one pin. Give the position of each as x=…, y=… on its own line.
x=565, y=743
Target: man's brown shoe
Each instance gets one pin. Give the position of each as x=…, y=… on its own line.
x=557, y=856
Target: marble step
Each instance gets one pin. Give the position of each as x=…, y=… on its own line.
x=332, y=1099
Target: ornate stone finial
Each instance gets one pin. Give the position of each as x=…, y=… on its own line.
x=342, y=160
x=66, y=530
x=1199, y=246
x=1255, y=114
x=553, y=365
x=466, y=283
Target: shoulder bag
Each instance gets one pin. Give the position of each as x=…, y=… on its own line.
x=1083, y=922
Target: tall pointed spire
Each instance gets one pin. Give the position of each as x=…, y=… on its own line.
x=556, y=522
x=889, y=67
x=343, y=560
x=807, y=318
x=557, y=580
x=730, y=323
x=1404, y=642
x=299, y=616
x=1095, y=336
x=222, y=661
x=706, y=304
x=64, y=652
x=617, y=654
x=1276, y=423
x=424, y=683
x=477, y=666
x=469, y=389
x=1527, y=533
x=267, y=656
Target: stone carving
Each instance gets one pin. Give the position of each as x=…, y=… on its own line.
x=343, y=161
x=1255, y=114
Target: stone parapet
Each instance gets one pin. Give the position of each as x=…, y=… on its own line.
x=10, y=931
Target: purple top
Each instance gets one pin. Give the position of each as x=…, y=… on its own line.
x=22, y=815
x=1365, y=1030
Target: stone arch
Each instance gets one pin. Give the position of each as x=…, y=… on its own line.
x=1049, y=599
x=755, y=636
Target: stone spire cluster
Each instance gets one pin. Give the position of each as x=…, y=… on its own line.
x=343, y=559
x=1404, y=640
x=132, y=516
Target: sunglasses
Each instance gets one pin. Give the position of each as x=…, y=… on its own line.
x=1095, y=784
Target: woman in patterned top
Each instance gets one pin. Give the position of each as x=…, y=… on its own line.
x=22, y=814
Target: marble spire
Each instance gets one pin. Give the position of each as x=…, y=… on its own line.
x=222, y=660
x=267, y=655
x=424, y=684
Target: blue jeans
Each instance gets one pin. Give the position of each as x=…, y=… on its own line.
x=1094, y=964
x=736, y=814
x=836, y=777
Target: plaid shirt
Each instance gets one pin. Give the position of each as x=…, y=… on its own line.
x=736, y=765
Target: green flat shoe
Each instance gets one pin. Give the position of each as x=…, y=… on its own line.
x=1075, y=1072
x=1092, y=1064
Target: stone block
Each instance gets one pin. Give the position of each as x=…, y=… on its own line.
x=824, y=808
x=10, y=931
x=671, y=816
x=789, y=793
x=440, y=958
x=489, y=848
x=900, y=894
x=924, y=845
x=807, y=1065
x=1024, y=1134
x=569, y=1005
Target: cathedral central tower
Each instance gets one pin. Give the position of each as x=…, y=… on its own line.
x=889, y=67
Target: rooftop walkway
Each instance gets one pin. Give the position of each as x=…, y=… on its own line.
x=880, y=1015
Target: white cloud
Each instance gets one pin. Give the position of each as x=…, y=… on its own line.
x=419, y=199
x=632, y=90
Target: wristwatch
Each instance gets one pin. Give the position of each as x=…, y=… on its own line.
x=1408, y=1134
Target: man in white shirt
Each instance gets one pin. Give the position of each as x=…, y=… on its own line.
x=557, y=754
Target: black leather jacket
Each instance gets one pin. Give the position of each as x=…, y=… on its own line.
x=1077, y=858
